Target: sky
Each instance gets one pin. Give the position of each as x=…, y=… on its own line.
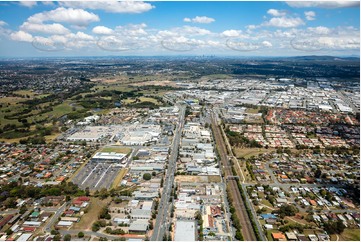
x=125, y=28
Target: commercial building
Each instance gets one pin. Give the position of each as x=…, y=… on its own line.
x=112, y=157
x=185, y=231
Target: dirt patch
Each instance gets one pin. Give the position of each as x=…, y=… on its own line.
x=191, y=178
x=91, y=216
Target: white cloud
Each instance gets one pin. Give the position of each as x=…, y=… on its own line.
x=132, y=30
x=231, y=33
x=21, y=36
x=48, y=3
x=3, y=23
x=323, y=4
x=102, y=30
x=319, y=30
x=267, y=43
x=111, y=6
x=78, y=17
x=200, y=20
x=251, y=27
x=80, y=36
x=284, y=22
x=276, y=13
x=28, y=4
x=193, y=30
x=310, y=15
x=54, y=28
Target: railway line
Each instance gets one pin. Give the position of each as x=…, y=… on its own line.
x=237, y=201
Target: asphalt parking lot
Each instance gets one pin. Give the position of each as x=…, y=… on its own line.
x=96, y=176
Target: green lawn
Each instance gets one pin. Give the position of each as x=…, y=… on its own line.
x=350, y=235
x=117, y=149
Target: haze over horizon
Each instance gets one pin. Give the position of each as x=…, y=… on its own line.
x=111, y=28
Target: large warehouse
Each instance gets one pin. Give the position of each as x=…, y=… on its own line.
x=112, y=157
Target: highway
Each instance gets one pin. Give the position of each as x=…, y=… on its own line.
x=162, y=220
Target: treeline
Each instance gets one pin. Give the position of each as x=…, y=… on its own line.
x=236, y=139
x=12, y=191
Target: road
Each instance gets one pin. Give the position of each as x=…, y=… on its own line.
x=54, y=218
x=162, y=220
x=247, y=229
x=89, y=233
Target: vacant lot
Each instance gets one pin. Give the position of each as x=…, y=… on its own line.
x=248, y=152
x=119, y=177
x=91, y=216
x=349, y=235
x=117, y=149
x=142, y=99
x=191, y=178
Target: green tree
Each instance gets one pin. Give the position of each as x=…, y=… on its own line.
x=80, y=234
x=147, y=176
x=67, y=237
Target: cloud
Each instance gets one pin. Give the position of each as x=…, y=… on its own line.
x=28, y=4
x=111, y=6
x=80, y=36
x=310, y=15
x=200, y=20
x=276, y=13
x=54, y=28
x=194, y=30
x=266, y=43
x=78, y=17
x=21, y=36
x=102, y=30
x=3, y=23
x=323, y=4
x=319, y=30
x=231, y=33
x=284, y=22
x=131, y=30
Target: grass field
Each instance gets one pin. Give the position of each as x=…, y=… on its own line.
x=350, y=235
x=142, y=99
x=119, y=177
x=252, y=110
x=117, y=149
x=91, y=216
x=215, y=179
x=248, y=152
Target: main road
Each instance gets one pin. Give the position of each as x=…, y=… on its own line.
x=162, y=220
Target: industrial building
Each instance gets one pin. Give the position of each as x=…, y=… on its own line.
x=185, y=231
x=111, y=157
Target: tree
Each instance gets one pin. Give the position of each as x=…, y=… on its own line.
x=57, y=237
x=332, y=227
x=147, y=176
x=318, y=173
x=154, y=173
x=80, y=234
x=287, y=210
x=67, y=237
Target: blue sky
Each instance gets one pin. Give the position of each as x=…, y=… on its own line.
x=179, y=28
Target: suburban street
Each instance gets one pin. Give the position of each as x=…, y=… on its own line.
x=54, y=218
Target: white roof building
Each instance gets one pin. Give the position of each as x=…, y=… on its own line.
x=185, y=231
